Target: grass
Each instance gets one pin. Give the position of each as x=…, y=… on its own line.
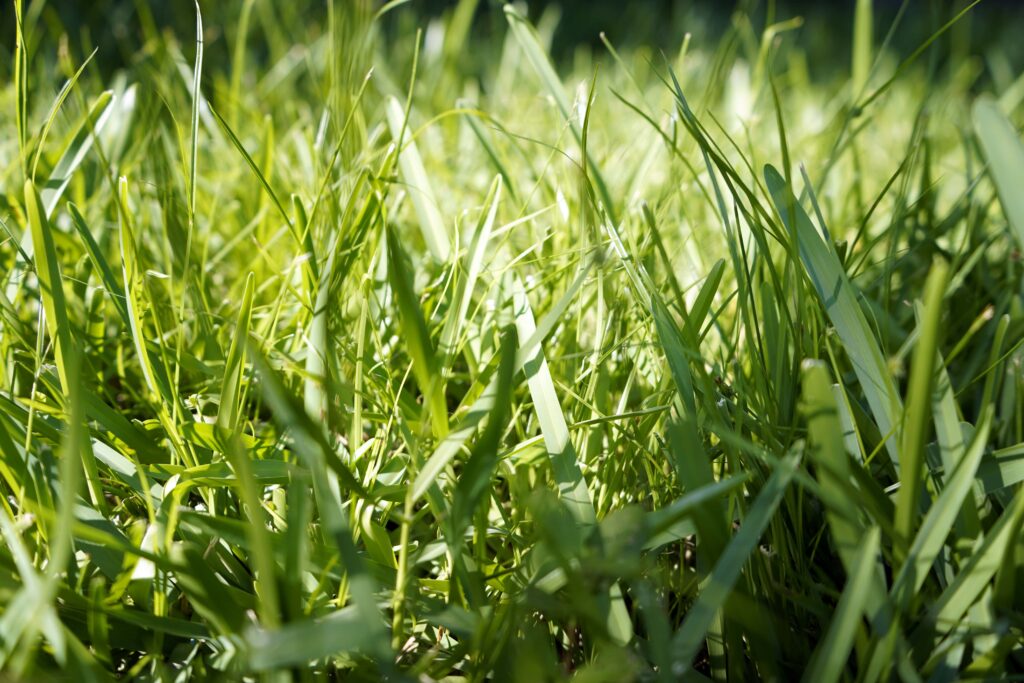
x=385, y=354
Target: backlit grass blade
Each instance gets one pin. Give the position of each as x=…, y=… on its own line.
x=106, y=272
x=76, y=151
x=51, y=286
x=474, y=266
x=60, y=176
x=526, y=36
x=919, y=399
x=435, y=234
x=156, y=379
x=839, y=299
x=315, y=396
x=571, y=484
x=1004, y=152
x=420, y=347
x=54, y=109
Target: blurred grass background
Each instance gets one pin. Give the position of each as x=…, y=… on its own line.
x=119, y=27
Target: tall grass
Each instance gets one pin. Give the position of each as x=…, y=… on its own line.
x=405, y=354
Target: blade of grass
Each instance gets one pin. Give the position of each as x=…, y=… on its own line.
x=830, y=656
x=840, y=301
x=919, y=399
x=1004, y=152
x=715, y=589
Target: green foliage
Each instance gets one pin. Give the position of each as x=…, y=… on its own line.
x=467, y=366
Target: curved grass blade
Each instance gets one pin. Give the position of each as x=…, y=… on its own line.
x=51, y=286
x=839, y=299
x=1004, y=152
x=571, y=484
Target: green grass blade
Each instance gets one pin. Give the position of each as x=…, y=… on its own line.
x=526, y=36
x=230, y=409
x=830, y=656
x=919, y=400
x=1001, y=144
x=301, y=643
x=937, y=523
x=862, y=38
x=976, y=574
x=435, y=234
x=571, y=485
x=715, y=589
x=840, y=302
x=475, y=478
x=420, y=347
x=51, y=286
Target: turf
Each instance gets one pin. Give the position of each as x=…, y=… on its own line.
x=364, y=345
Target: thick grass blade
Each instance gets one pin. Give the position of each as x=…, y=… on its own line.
x=833, y=471
x=937, y=523
x=435, y=234
x=862, y=38
x=301, y=643
x=1004, y=152
x=420, y=347
x=839, y=299
x=571, y=485
x=919, y=400
x=976, y=574
x=51, y=286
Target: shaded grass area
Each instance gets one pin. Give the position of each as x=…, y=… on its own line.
x=369, y=363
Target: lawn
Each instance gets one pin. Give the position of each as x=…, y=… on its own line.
x=342, y=340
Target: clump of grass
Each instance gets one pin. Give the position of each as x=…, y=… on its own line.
x=368, y=363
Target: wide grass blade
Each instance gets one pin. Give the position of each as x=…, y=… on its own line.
x=1004, y=152
x=425, y=366
x=839, y=299
x=435, y=234
x=919, y=400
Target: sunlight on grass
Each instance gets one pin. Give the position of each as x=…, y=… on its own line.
x=344, y=341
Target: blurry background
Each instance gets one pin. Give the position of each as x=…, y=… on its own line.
x=120, y=28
